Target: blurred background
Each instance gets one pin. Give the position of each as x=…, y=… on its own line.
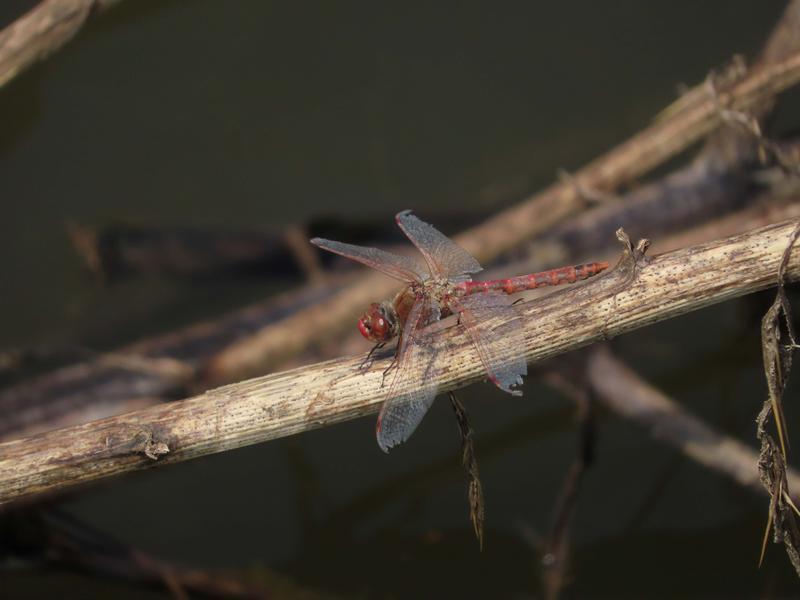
x=203, y=117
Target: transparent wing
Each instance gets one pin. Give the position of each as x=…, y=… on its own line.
x=394, y=265
x=413, y=386
x=493, y=325
x=445, y=258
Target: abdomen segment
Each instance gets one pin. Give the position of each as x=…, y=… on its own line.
x=535, y=280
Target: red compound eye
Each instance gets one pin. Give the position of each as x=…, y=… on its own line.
x=364, y=328
x=374, y=326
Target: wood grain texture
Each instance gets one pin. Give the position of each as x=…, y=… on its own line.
x=637, y=292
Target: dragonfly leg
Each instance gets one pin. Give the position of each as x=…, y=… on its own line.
x=388, y=369
x=367, y=362
x=517, y=301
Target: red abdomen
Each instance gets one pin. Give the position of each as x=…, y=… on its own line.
x=535, y=280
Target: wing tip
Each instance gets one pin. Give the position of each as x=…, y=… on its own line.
x=383, y=444
x=402, y=214
x=511, y=388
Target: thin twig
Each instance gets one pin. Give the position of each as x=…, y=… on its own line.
x=557, y=546
x=636, y=293
x=627, y=394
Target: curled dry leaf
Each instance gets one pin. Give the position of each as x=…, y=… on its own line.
x=777, y=345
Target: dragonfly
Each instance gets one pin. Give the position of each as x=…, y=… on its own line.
x=443, y=287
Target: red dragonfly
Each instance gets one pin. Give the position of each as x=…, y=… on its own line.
x=444, y=288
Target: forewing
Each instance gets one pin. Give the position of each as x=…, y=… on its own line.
x=394, y=265
x=445, y=258
x=416, y=374
x=493, y=325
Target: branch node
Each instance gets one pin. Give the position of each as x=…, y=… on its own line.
x=139, y=441
x=632, y=256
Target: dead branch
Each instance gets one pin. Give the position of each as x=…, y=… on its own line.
x=97, y=388
x=778, y=203
x=718, y=180
x=42, y=31
x=636, y=293
x=261, y=337
x=645, y=150
x=100, y=387
x=110, y=384
x=779, y=68
x=624, y=392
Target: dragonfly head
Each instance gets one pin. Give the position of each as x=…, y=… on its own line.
x=377, y=324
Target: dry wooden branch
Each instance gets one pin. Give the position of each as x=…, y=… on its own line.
x=105, y=385
x=777, y=204
x=636, y=293
x=624, y=392
x=41, y=32
x=652, y=146
x=255, y=340
x=96, y=388
x=645, y=150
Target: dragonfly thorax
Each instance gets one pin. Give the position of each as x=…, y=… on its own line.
x=438, y=291
x=437, y=288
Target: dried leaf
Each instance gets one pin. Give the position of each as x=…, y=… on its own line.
x=776, y=327
x=470, y=462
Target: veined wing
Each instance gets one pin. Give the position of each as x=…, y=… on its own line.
x=445, y=258
x=492, y=323
x=400, y=267
x=416, y=373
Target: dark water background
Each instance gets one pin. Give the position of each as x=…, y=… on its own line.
x=256, y=114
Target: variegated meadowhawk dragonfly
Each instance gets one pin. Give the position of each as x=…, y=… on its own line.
x=444, y=288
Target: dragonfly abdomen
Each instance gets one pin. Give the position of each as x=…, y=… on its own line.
x=552, y=277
